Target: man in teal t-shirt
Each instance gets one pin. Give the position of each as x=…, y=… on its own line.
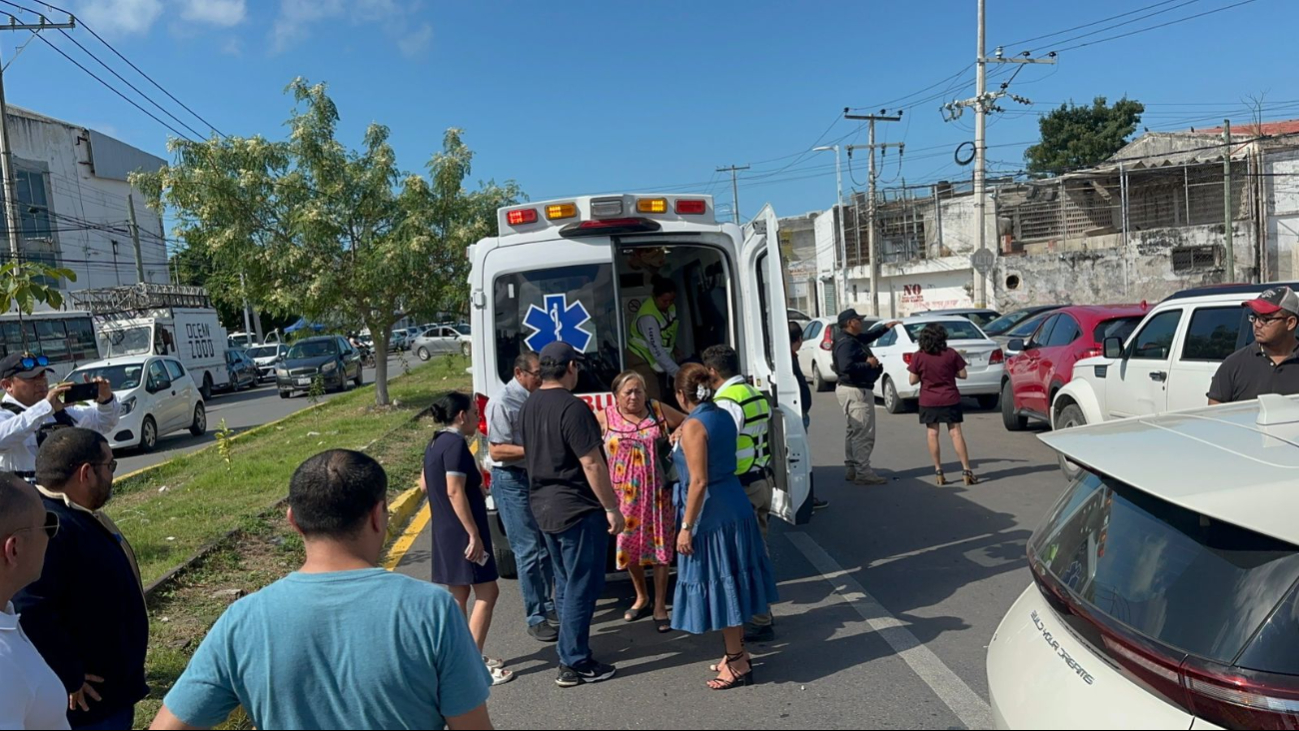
x=339, y=644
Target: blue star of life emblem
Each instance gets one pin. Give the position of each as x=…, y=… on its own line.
x=558, y=321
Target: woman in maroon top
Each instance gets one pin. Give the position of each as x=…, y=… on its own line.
x=936, y=368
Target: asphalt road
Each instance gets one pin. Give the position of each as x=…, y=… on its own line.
x=888, y=600
x=242, y=410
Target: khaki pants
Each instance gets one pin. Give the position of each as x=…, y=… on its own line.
x=653, y=379
x=859, y=440
x=759, y=493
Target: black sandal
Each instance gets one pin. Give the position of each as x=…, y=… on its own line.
x=664, y=624
x=635, y=613
x=737, y=679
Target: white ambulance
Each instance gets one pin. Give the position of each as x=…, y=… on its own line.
x=577, y=269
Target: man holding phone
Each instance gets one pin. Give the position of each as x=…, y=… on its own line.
x=31, y=409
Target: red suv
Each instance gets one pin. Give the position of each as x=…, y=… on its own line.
x=1045, y=363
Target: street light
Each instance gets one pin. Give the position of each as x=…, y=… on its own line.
x=843, y=238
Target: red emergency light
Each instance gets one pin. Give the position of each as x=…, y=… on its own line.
x=521, y=216
x=692, y=207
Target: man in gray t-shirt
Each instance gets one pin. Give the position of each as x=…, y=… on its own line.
x=511, y=494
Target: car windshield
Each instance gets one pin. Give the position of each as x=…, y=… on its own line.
x=1004, y=323
x=1029, y=326
x=956, y=329
x=264, y=351
x=1179, y=577
x=312, y=349
x=981, y=318
x=121, y=378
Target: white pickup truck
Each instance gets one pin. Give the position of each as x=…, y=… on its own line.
x=1167, y=364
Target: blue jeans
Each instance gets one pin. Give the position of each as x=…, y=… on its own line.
x=536, y=575
x=579, y=555
x=123, y=719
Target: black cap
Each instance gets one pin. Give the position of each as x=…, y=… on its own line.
x=847, y=315
x=561, y=353
x=12, y=367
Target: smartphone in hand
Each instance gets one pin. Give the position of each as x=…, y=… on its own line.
x=81, y=392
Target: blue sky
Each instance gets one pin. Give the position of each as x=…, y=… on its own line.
x=586, y=97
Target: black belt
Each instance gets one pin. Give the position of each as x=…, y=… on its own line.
x=524, y=470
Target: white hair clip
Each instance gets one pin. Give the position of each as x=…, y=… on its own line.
x=702, y=392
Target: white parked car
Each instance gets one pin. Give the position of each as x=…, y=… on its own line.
x=986, y=359
x=157, y=395
x=816, y=356
x=1165, y=581
x=266, y=356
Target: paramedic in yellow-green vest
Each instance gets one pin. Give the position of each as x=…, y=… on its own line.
x=752, y=414
x=653, y=337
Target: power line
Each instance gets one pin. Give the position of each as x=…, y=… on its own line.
x=132, y=65
x=1153, y=27
x=1098, y=22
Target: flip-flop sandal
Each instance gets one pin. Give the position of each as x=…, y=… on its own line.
x=664, y=624
x=501, y=676
x=493, y=663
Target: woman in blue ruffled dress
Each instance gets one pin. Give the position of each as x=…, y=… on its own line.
x=724, y=575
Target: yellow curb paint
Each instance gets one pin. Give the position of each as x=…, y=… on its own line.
x=401, y=509
x=407, y=540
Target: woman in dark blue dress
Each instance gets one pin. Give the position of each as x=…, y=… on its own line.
x=462, y=543
x=724, y=575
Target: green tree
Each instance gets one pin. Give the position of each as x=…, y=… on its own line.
x=1076, y=136
x=338, y=236
x=24, y=284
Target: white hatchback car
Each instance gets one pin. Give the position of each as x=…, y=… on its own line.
x=816, y=356
x=1166, y=579
x=986, y=359
x=157, y=397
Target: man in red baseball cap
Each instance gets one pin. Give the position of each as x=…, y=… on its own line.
x=1270, y=364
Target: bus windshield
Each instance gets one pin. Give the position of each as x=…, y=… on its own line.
x=127, y=341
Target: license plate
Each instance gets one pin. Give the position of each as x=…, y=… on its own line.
x=304, y=381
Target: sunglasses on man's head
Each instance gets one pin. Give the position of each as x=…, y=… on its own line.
x=31, y=361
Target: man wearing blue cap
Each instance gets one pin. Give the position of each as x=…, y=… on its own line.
x=573, y=502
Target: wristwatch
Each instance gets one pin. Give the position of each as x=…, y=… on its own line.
x=687, y=525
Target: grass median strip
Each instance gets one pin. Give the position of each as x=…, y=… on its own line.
x=171, y=512
x=209, y=502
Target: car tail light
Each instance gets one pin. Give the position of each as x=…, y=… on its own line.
x=521, y=216
x=652, y=205
x=1092, y=352
x=827, y=340
x=906, y=357
x=481, y=400
x=561, y=210
x=998, y=356
x=692, y=207
x=1231, y=697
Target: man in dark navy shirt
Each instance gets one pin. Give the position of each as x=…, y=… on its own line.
x=858, y=370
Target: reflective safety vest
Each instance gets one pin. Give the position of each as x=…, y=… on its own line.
x=668, y=326
x=752, y=453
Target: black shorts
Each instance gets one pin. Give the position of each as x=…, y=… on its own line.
x=942, y=414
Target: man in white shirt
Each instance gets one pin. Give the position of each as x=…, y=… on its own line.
x=31, y=408
x=31, y=695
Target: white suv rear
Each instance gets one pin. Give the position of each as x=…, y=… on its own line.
x=1166, y=579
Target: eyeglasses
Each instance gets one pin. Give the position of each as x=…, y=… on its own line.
x=1256, y=318
x=51, y=526
x=110, y=464
x=31, y=361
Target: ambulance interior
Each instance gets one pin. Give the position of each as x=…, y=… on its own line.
x=703, y=292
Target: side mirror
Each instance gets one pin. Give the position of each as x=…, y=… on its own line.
x=1018, y=345
x=1113, y=348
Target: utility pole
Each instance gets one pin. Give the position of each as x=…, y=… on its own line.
x=735, y=188
x=243, y=289
x=135, y=238
x=871, y=119
x=1226, y=201
x=839, y=209
x=983, y=103
x=12, y=217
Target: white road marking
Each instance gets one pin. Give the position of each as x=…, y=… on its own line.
x=947, y=685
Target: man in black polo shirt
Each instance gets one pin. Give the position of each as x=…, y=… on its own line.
x=1271, y=363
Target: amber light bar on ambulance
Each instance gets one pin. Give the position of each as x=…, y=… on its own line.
x=556, y=211
x=609, y=227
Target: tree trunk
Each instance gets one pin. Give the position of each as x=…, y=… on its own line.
x=381, y=364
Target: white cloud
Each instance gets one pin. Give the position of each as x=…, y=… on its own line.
x=120, y=17
x=233, y=47
x=416, y=43
x=224, y=13
x=395, y=19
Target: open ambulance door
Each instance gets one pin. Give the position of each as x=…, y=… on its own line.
x=771, y=362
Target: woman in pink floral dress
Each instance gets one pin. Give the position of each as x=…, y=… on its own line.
x=633, y=428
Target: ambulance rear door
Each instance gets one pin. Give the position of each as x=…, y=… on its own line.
x=770, y=361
